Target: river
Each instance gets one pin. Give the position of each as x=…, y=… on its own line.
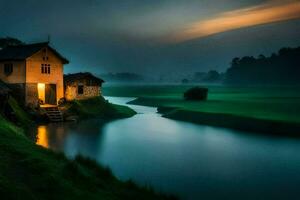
x=189, y=160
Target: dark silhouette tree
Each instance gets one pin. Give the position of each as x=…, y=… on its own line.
x=282, y=68
x=212, y=76
x=185, y=81
x=235, y=62
x=9, y=41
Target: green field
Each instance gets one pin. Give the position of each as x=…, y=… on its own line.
x=275, y=104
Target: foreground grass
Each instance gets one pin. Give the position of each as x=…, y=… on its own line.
x=97, y=107
x=28, y=171
x=233, y=107
x=23, y=119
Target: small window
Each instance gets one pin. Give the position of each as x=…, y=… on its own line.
x=45, y=69
x=8, y=69
x=80, y=89
x=48, y=69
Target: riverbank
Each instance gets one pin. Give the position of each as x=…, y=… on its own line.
x=251, y=109
x=96, y=107
x=29, y=171
x=225, y=120
x=235, y=122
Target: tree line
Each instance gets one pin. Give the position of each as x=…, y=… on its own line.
x=282, y=68
x=9, y=41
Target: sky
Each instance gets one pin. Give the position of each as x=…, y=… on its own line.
x=153, y=37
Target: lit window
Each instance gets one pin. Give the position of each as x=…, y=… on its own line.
x=8, y=69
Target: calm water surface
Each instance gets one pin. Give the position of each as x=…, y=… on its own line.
x=192, y=161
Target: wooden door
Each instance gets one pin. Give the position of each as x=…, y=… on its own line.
x=50, y=94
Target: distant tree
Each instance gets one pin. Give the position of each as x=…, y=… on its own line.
x=212, y=76
x=235, y=61
x=261, y=57
x=185, y=81
x=198, y=76
x=9, y=41
x=285, y=51
x=280, y=69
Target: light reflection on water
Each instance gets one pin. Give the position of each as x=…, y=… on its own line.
x=196, y=162
x=42, y=136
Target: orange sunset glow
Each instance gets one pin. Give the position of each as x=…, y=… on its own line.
x=256, y=15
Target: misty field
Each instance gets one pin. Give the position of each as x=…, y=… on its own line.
x=271, y=103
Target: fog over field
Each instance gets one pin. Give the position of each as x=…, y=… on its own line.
x=141, y=36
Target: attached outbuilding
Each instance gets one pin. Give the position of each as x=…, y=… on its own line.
x=80, y=86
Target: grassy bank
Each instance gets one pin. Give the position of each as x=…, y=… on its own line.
x=21, y=118
x=233, y=121
x=97, y=107
x=272, y=109
x=28, y=171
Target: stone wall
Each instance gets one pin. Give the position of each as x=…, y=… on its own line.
x=31, y=95
x=71, y=91
x=91, y=91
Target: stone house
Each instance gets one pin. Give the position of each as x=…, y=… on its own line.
x=82, y=86
x=34, y=72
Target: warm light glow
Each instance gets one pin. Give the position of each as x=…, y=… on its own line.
x=42, y=136
x=41, y=91
x=270, y=12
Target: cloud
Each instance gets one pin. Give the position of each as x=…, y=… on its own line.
x=270, y=12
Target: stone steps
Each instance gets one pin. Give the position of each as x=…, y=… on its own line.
x=54, y=114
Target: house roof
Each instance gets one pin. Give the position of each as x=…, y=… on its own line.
x=4, y=89
x=81, y=76
x=22, y=52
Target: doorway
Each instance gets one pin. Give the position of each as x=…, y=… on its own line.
x=47, y=93
x=50, y=94
x=41, y=91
